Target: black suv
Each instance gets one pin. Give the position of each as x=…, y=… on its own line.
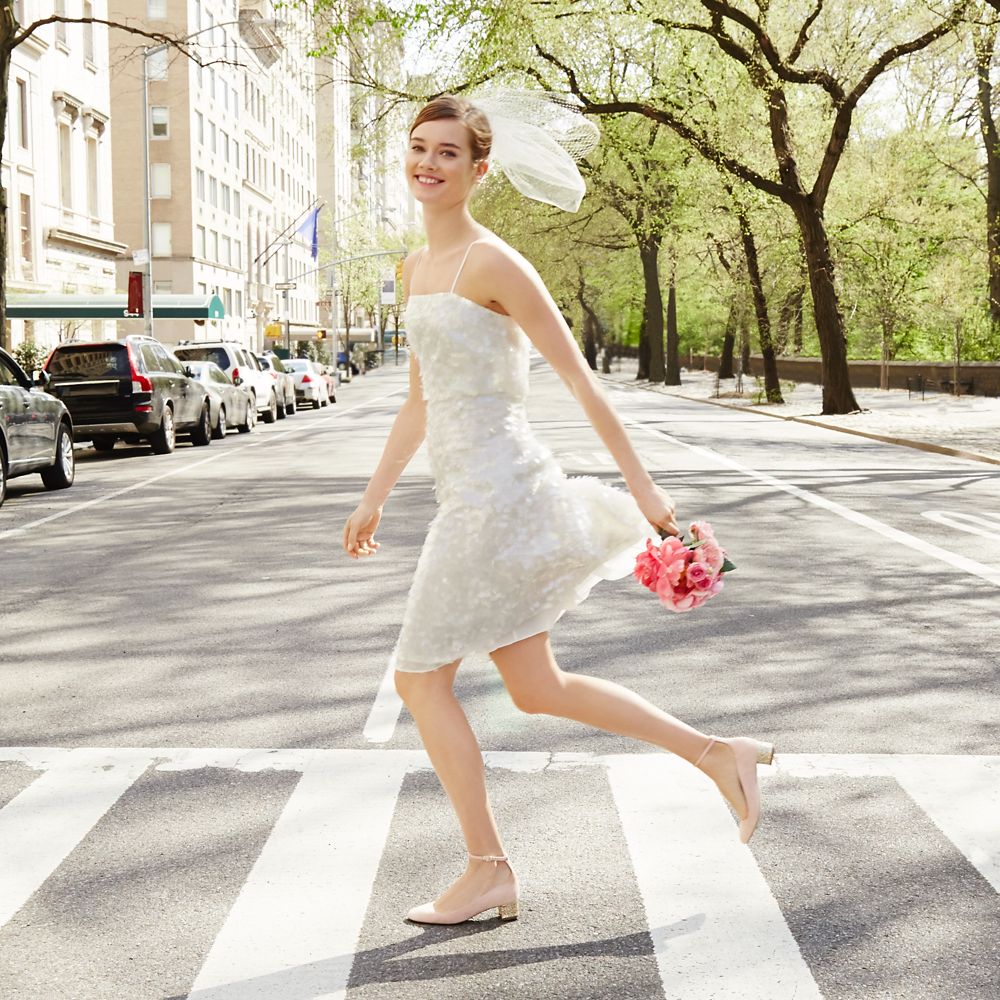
x=133, y=389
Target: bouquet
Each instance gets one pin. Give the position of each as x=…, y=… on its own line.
x=684, y=573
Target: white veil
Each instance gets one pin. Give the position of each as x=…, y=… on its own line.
x=537, y=138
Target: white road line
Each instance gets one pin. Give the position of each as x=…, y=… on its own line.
x=988, y=573
x=294, y=927
x=984, y=525
x=44, y=822
x=384, y=715
x=718, y=932
x=188, y=466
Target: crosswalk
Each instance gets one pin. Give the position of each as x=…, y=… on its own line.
x=293, y=929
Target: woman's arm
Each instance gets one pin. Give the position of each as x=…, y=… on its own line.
x=404, y=439
x=524, y=296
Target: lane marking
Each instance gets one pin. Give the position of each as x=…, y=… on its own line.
x=972, y=524
x=294, y=927
x=988, y=573
x=385, y=711
x=42, y=824
x=187, y=467
x=718, y=932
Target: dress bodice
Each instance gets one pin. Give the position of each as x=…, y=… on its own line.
x=465, y=349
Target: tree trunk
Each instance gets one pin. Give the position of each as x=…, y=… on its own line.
x=7, y=30
x=643, y=370
x=744, y=344
x=591, y=328
x=790, y=322
x=887, y=352
x=772, y=386
x=673, y=372
x=649, y=253
x=984, y=44
x=838, y=396
x=728, y=343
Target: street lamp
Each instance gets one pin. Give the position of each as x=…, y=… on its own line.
x=152, y=50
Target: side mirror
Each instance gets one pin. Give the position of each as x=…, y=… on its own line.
x=188, y=371
x=40, y=378
x=238, y=380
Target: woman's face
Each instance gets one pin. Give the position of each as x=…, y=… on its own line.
x=439, y=165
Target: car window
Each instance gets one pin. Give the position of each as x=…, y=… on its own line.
x=297, y=366
x=149, y=360
x=8, y=375
x=89, y=362
x=217, y=354
x=174, y=364
x=276, y=363
x=220, y=376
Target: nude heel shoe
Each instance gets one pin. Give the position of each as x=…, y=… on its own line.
x=503, y=897
x=748, y=753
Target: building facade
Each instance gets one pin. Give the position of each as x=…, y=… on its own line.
x=56, y=169
x=232, y=161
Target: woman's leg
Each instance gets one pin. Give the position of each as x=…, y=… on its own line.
x=536, y=684
x=454, y=752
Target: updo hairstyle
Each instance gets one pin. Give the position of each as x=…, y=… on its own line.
x=455, y=108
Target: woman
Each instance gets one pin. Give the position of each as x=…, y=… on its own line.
x=515, y=542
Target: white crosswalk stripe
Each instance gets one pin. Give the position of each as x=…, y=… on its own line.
x=287, y=935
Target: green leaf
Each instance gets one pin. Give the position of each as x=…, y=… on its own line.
x=727, y=566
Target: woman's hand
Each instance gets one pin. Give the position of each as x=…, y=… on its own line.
x=359, y=531
x=658, y=507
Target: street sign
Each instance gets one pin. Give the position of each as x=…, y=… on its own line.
x=140, y=256
x=284, y=286
x=388, y=291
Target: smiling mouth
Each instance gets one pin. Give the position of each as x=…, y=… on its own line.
x=428, y=181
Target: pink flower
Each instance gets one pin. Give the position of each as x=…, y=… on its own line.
x=647, y=567
x=700, y=576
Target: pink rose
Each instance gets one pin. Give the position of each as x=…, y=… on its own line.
x=700, y=576
x=647, y=569
x=711, y=554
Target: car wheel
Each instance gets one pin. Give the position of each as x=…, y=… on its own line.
x=3, y=476
x=271, y=413
x=202, y=432
x=280, y=411
x=219, y=430
x=290, y=408
x=247, y=426
x=316, y=404
x=61, y=475
x=165, y=438
x=105, y=442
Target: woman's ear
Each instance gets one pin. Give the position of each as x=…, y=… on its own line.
x=482, y=169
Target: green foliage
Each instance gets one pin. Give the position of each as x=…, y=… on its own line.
x=29, y=356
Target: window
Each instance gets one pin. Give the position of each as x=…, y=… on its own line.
x=93, y=178
x=157, y=65
x=236, y=203
x=227, y=300
x=239, y=303
x=162, y=239
x=199, y=241
x=213, y=245
x=236, y=155
x=65, y=165
x=160, y=122
x=224, y=144
x=203, y=290
x=227, y=251
x=163, y=287
x=88, y=33
x=226, y=198
x=60, y=26
x=156, y=10
x=25, y=225
x=237, y=253
x=159, y=180
x=197, y=14
x=199, y=183
x=212, y=133
x=199, y=127
x=213, y=192
x=23, y=117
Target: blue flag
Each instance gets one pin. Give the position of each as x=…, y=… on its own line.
x=310, y=229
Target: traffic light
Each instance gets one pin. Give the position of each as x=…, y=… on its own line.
x=321, y=334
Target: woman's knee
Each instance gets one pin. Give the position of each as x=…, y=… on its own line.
x=537, y=697
x=416, y=686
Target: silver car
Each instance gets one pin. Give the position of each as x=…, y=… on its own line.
x=310, y=383
x=36, y=432
x=282, y=378
x=230, y=406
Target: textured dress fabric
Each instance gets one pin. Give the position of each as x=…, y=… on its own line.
x=515, y=542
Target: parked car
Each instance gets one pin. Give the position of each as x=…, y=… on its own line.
x=238, y=363
x=230, y=405
x=310, y=384
x=282, y=378
x=133, y=389
x=36, y=430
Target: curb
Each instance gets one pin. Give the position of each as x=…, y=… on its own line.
x=938, y=449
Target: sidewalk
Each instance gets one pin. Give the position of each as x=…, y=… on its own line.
x=965, y=426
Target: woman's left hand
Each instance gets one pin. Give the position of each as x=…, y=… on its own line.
x=658, y=508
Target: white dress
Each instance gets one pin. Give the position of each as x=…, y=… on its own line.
x=515, y=542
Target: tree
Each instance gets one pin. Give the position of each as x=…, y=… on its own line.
x=13, y=34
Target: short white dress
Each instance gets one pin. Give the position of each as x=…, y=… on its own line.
x=515, y=542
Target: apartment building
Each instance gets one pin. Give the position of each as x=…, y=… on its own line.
x=232, y=160
x=57, y=168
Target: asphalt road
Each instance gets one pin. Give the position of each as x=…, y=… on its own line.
x=207, y=789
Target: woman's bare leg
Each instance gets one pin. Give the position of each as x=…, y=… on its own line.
x=537, y=685
x=454, y=752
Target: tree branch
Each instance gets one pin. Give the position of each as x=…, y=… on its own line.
x=803, y=38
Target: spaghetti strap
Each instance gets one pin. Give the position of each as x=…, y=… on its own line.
x=458, y=273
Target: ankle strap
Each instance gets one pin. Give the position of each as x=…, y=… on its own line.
x=712, y=740
x=488, y=857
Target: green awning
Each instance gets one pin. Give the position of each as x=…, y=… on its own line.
x=111, y=307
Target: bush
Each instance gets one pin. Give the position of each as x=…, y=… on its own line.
x=29, y=356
